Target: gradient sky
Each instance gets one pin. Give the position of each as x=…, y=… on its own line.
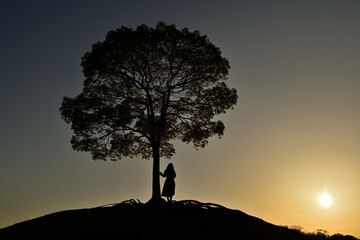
x=294, y=133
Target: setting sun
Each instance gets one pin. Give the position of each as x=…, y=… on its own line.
x=325, y=200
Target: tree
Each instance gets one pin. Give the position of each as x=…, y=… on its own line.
x=146, y=87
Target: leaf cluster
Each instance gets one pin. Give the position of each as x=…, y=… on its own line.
x=146, y=87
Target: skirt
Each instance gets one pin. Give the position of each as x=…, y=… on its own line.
x=169, y=187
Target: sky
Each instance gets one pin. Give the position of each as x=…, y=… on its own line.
x=293, y=135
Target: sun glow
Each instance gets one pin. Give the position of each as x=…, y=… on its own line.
x=325, y=200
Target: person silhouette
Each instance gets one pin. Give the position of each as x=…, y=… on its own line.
x=169, y=185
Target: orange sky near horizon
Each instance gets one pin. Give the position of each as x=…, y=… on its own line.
x=294, y=133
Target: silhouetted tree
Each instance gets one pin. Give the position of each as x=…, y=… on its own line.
x=145, y=87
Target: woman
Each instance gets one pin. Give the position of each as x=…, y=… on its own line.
x=169, y=185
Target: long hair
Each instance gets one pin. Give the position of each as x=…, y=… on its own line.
x=170, y=167
x=170, y=171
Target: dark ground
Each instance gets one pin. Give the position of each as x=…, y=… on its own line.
x=187, y=219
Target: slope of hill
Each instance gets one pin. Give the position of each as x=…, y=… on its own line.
x=187, y=219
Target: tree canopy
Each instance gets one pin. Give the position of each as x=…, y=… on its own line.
x=146, y=87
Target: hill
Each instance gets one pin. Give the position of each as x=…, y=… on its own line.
x=131, y=219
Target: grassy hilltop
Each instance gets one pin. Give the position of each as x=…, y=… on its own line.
x=131, y=219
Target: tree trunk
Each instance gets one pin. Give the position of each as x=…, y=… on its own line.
x=156, y=197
